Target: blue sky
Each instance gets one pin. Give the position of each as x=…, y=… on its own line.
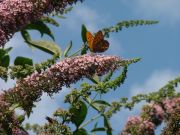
x=158, y=46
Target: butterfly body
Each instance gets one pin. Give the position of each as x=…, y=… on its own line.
x=96, y=43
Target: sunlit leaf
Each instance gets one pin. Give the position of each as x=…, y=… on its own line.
x=46, y=46
x=68, y=48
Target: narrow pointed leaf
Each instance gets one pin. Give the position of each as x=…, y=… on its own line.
x=46, y=46
x=84, y=50
x=83, y=33
x=108, y=76
x=25, y=35
x=7, y=50
x=107, y=126
x=68, y=48
x=101, y=102
x=50, y=20
x=98, y=129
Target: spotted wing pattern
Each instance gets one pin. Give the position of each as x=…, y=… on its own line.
x=97, y=43
x=90, y=39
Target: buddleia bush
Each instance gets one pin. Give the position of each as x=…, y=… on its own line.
x=97, y=74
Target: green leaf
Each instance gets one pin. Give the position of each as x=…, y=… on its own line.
x=5, y=61
x=96, y=78
x=7, y=50
x=41, y=27
x=98, y=129
x=14, y=106
x=83, y=33
x=50, y=20
x=79, y=114
x=68, y=48
x=26, y=35
x=95, y=126
x=81, y=131
x=23, y=61
x=84, y=50
x=2, y=53
x=107, y=126
x=20, y=118
x=102, y=102
x=108, y=76
x=46, y=46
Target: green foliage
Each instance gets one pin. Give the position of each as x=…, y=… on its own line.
x=127, y=24
x=83, y=33
x=23, y=61
x=79, y=113
x=4, y=57
x=19, y=71
x=68, y=48
x=172, y=126
x=3, y=73
x=81, y=131
x=46, y=46
x=50, y=20
x=89, y=96
x=41, y=27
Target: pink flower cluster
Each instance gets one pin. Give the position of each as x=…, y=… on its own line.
x=152, y=115
x=136, y=125
x=68, y=71
x=153, y=112
x=171, y=104
x=15, y=14
x=17, y=131
x=64, y=73
x=7, y=117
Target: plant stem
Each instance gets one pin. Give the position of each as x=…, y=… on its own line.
x=93, y=118
x=76, y=52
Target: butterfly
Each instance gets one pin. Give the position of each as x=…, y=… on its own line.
x=96, y=43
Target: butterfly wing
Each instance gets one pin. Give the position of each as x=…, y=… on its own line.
x=101, y=46
x=98, y=38
x=90, y=39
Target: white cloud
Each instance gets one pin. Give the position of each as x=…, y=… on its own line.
x=157, y=80
x=165, y=10
x=46, y=107
x=82, y=15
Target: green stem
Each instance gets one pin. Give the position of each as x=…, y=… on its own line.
x=89, y=121
x=92, y=100
x=89, y=101
x=76, y=52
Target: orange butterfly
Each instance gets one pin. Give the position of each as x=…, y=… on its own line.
x=97, y=43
